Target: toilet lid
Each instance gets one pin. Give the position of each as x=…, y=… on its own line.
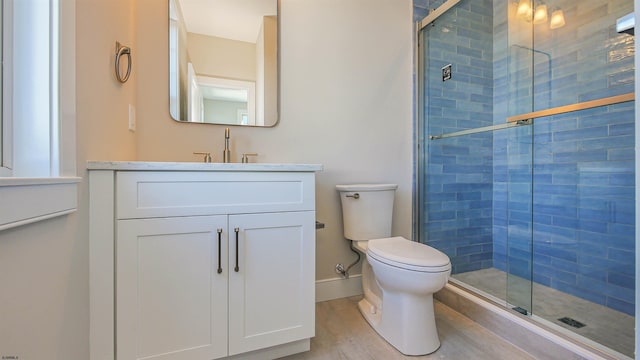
x=411, y=255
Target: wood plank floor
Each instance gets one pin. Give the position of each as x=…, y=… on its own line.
x=342, y=333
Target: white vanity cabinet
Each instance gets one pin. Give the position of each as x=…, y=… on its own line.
x=202, y=264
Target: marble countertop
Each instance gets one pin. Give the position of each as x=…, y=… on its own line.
x=198, y=166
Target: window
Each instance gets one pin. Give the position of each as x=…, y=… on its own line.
x=30, y=83
x=37, y=146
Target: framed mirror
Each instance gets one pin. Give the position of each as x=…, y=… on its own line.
x=223, y=62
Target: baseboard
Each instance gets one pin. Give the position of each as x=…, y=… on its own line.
x=275, y=352
x=336, y=288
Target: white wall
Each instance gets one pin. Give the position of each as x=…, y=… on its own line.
x=346, y=103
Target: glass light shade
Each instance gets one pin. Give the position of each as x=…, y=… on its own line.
x=524, y=9
x=557, y=19
x=540, y=15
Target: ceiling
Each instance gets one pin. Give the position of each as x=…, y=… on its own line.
x=231, y=19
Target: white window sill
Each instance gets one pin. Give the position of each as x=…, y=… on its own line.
x=28, y=200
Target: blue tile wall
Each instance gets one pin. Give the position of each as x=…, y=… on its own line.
x=553, y=202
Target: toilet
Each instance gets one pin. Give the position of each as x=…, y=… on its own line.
x=399, y=276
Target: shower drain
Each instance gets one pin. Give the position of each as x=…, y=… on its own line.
x=572, y=322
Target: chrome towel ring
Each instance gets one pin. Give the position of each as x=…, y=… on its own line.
x=120, y=51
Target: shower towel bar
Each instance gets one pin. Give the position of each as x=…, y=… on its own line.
x=480, y=129
x=574, y=107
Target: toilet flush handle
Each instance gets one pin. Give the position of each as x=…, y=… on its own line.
x=355, y=196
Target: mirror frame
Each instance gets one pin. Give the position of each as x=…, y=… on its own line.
x=278, y=69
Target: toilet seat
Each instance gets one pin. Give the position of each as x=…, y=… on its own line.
x=410, y=255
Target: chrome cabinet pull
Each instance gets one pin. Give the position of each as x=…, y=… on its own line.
x=237, y=268
x=219, y=251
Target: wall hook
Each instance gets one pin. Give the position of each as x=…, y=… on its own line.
x=120, y=51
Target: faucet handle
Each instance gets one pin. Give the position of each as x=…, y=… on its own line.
x=207, y=156
x=245, y=157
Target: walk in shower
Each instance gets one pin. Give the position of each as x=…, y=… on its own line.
x=525, y=158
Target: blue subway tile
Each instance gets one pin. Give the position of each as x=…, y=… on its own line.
x=622, y=129
x=581, y=292
x=622, y=306
x=622, y=256
x=621, y=280
x=593, y=132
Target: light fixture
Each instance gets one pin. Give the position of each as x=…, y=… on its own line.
x=524, y=9
x=557, y=19
x=540, y=15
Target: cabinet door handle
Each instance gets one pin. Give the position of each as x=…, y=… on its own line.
x=219, y=251
x=237, y=268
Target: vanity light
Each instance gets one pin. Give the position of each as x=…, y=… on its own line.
x=557, y=19
x=540, y=15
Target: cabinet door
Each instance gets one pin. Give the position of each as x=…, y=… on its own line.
x=171, y=301
x=272, y=293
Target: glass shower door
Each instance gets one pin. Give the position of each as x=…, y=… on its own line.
x=456, y=144
x=519, y=218
x=517, y=65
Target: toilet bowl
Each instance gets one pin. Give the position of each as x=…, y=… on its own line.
x=399, y=276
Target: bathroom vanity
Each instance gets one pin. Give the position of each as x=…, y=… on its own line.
x=201, y=261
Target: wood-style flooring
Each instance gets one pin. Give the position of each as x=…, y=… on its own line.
x=342, y=333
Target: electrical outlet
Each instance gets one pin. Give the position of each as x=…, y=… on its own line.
x=132, y=118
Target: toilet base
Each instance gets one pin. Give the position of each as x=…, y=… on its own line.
x=421, y=339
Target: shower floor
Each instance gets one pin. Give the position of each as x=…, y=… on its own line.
x=605, y=326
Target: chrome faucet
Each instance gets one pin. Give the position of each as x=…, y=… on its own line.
x=226, y=154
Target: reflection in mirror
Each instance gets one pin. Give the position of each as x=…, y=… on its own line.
x=224, y=101
x=223, y=61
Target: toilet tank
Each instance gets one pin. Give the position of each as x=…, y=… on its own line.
x=367, y=210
